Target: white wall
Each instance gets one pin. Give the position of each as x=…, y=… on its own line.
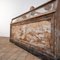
x=12, y=8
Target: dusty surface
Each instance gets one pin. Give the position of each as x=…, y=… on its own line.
x=37, y=34
x=9, y=51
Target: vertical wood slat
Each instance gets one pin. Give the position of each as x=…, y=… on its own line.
x=57, y=30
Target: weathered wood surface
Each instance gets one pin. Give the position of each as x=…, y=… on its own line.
x=57, y=30
x=9, y=51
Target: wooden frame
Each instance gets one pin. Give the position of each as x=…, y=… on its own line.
x=52, y=17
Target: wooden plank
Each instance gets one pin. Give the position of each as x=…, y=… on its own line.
x=57, y=30
x=51, y=1
x=43, y=15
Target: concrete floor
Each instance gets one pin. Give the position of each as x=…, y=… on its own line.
x=9, y=51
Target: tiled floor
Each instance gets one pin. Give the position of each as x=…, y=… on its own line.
x=9, y=51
